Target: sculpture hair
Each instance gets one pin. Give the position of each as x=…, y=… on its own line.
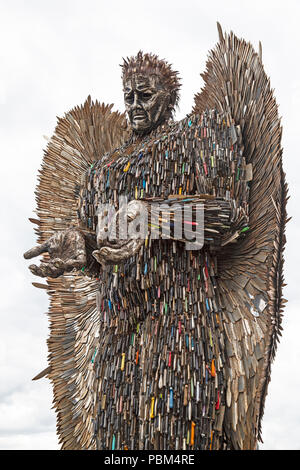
x=150, y=64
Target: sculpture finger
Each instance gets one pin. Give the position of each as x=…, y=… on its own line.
x=109, y=255
x=125, y=251
x=36, y=270
x=45, y=270
x=36, y=251
x=57, y=263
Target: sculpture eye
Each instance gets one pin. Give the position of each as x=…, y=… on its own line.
x=147, y=96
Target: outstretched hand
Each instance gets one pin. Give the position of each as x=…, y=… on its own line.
x=114, y=249
x=66, y=250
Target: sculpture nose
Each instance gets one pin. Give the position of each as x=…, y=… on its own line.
x=136, y=101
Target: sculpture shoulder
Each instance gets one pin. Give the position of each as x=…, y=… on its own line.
x=208, y=124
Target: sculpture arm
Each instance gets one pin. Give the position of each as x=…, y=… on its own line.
x=222, y=222
x=214, y=220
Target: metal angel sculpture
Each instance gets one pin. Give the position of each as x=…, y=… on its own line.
x=152, y=345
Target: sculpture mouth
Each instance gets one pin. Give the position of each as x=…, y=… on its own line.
x=139, y=116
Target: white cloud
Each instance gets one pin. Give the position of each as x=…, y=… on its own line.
x=30, y=441
x=26, y=411
x=281, y=423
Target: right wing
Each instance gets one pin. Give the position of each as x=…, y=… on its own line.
x=80, y=138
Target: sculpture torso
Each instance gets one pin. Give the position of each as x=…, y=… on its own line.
x=161, y=355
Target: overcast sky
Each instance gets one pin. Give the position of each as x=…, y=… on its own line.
x=53, y=54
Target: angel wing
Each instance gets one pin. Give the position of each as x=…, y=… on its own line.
x=83, y=135
x=250, y=276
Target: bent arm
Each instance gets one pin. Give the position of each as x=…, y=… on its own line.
x=222, y=221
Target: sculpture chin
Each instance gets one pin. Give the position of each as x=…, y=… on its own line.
x=141, y=125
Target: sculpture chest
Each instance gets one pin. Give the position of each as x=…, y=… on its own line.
x=196, y=155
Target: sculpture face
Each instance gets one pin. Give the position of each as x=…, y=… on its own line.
x=147, y=102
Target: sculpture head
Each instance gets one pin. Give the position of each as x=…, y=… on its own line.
x=150, y=91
